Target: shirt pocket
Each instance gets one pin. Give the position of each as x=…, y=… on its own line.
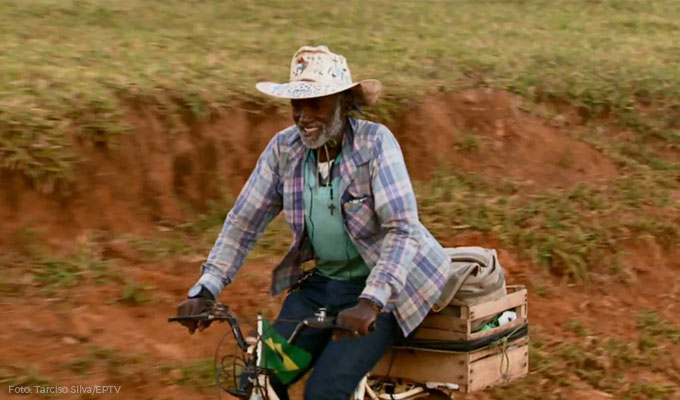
x=360, y=186
x=360, y=217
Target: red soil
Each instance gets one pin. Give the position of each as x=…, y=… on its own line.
x=153, y=173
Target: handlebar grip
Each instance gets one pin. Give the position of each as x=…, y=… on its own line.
x=183, y=318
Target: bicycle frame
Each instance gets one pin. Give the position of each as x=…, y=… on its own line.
x=260, y=388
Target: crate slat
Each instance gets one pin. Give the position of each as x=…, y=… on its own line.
x=490, y=308
x=486, y=372
x=471, y=371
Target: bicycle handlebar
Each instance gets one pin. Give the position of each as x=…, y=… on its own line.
x=320, y=320
x=196, y=317
x=217, y=312
x=221, y=312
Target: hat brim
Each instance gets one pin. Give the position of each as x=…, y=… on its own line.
x=366, y=92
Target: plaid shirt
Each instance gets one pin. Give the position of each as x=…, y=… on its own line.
x=409, y=267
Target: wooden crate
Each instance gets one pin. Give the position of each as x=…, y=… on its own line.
x=472, y=371
x=457, y=322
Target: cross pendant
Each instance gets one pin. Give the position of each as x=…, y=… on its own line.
x=331, y=207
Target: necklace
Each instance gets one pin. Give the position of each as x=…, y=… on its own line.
x=325, y=172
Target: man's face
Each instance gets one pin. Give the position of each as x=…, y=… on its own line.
x=319, y=119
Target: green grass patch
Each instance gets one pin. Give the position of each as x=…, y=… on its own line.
x=191, y=237
x=198, y=233
x=161, y=246
x=568, y=231
x=24, y=375
x=650, y=391
x=67, y=272
x=275, y=241
x=52, y=270
x=549, y=227
x=115, y=360
x=81, y=365
x=539, y=289
x=198, y=375
x=655, y=331
x=133, y=294
x=469, y=143
x=576, y=327
x=605, y=363
x=71, y=67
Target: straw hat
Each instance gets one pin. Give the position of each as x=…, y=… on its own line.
x=317, y=72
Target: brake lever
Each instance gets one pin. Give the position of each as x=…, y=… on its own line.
x=322, y=321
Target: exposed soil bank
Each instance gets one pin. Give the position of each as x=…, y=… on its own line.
x=153, y=173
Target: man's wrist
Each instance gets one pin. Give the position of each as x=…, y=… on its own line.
x=379, y=293
x=374, y=305
x=203, y=293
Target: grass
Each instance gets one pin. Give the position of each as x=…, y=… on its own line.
x=115, y=360
x=539, y=289
x=578, y=329
x=195, y=57
x=652, y=324
x=134, y=294
x=162, y=246
x=200, y=57
x=571, y=232
x=81, y=365
x=469, y=143
x=655, y=331
x=196, y=235
x=31, y=255
x=23, y=375
x=85, y=264
x=198, y=375
x=650, y=391
x=605, y=363
x=74, y=69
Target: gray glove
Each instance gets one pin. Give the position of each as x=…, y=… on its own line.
x=196, y=305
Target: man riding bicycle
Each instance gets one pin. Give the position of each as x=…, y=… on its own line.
x=345, y=192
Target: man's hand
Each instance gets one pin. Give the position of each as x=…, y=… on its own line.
x=358, y=319
x=195, y=305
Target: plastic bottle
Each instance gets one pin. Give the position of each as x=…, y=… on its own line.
x=507, y=316
x=500, y=320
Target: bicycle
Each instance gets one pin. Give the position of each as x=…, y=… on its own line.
x=250, y=381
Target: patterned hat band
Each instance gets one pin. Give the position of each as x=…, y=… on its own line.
x=317, y=72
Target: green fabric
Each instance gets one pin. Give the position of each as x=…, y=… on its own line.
x=336, y=255
x=286, y=360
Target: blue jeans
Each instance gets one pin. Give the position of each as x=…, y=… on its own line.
x=338, y=366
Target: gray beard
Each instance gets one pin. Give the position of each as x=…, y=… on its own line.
x=330, y=131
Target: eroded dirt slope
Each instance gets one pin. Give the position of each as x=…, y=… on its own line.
x=152, y=172
x=97, y=334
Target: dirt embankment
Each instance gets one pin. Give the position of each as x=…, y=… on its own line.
x=153, y=172
x=89, y=336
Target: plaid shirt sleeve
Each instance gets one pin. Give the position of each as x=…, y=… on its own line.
x=395, y=206
x=258, y=203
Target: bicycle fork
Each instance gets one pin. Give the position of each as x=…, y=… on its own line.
x=261, y=381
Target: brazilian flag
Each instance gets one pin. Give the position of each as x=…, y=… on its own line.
x=285, y=359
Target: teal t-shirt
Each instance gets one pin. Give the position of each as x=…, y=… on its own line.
x=336, y=255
